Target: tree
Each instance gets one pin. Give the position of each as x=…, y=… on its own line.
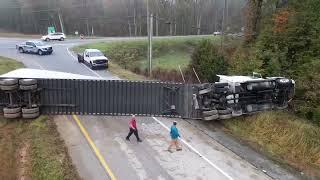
x=208, y=62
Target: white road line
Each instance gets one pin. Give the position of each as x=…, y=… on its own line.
x=75, y=58
x=196, y=151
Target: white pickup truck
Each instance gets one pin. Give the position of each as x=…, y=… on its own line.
x=93, y=58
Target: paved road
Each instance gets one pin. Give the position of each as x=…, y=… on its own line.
x=130, y=160
x=60, y=60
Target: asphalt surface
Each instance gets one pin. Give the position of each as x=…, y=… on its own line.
x=202, y=156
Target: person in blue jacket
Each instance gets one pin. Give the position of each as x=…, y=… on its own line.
x=174, y=133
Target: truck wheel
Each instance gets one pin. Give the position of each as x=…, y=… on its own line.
x=61, y=39
x=210, y=113
x=40, y=52
x=205, y=91
x=8, y=87
x=210, y=118
x=30, y=110
x=8, y=82
x=28, y=87
x=225, y=116
x=91, y=66
x=14, y=110
x=27, y=82
x=12, y=116
x=31, y=115
x=21, y=50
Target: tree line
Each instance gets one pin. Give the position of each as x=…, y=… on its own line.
x=122, y=17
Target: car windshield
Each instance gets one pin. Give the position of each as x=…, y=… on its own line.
x=39, y=43
x=95, y=54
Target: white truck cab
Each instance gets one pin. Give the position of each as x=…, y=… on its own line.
x=93, y=58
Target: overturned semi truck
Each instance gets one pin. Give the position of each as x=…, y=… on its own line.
x=28, y=93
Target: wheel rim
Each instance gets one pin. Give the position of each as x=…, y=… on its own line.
x=21, y=50
x=40, y=52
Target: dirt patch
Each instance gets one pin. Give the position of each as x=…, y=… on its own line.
x=33, y=150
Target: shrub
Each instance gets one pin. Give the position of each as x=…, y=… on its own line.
x=208, y=62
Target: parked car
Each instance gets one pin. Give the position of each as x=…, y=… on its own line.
x=54, y=36
x=216, y=33
x=93, y=58
x=36, y=47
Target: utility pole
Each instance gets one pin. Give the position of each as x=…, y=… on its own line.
x=148, y=17
x=150, y=30
x=223, y=25
x=61, y=21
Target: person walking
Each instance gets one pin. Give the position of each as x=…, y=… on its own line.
x=174, y=133
x=133, y=129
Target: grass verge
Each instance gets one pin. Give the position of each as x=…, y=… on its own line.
x=123, y=73
x=283, y=137
x=33, y=150
x=7, y=64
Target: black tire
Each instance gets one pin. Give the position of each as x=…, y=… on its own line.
x=220, y=85
x=31, y=116
x=47, y=39
x=12, y=116
x=29, y=87
x=21, y=50
x=8, y=82
x=205, y=91
x=284, y=82
x=225, y=116
x=27, y=82
x=30, y=110
x=251, y=108
x=264, y=107
x=9, y=88
x=211, y=118
x=260, y=86
x=91, y=66
x=14, y=110
x=210, y=113
x=40, y=53
x=224, y=111
x=221, y=90
x=61, y=39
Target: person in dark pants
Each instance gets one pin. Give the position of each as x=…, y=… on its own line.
x=133, y=129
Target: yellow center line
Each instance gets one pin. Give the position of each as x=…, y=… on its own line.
x=94, y=147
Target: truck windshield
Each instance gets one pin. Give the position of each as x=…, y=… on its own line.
x=95, y=54
x=39, y=43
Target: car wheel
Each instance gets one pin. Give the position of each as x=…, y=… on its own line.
x=62, y=39
x=47, y=39
x=21, y=50
x=91, y=66
x=40, y=52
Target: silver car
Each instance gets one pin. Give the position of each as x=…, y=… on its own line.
x=36, y=47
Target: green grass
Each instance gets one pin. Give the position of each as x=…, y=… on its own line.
x=170, y=60
x=124, y=74
x=46, y=155
x=49, y=155
x=282, y=136
x=7, y=65
x=168, y=53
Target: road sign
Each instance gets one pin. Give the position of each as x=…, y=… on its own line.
x=51, y=30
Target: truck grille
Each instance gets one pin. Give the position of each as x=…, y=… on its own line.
x=103, y=61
